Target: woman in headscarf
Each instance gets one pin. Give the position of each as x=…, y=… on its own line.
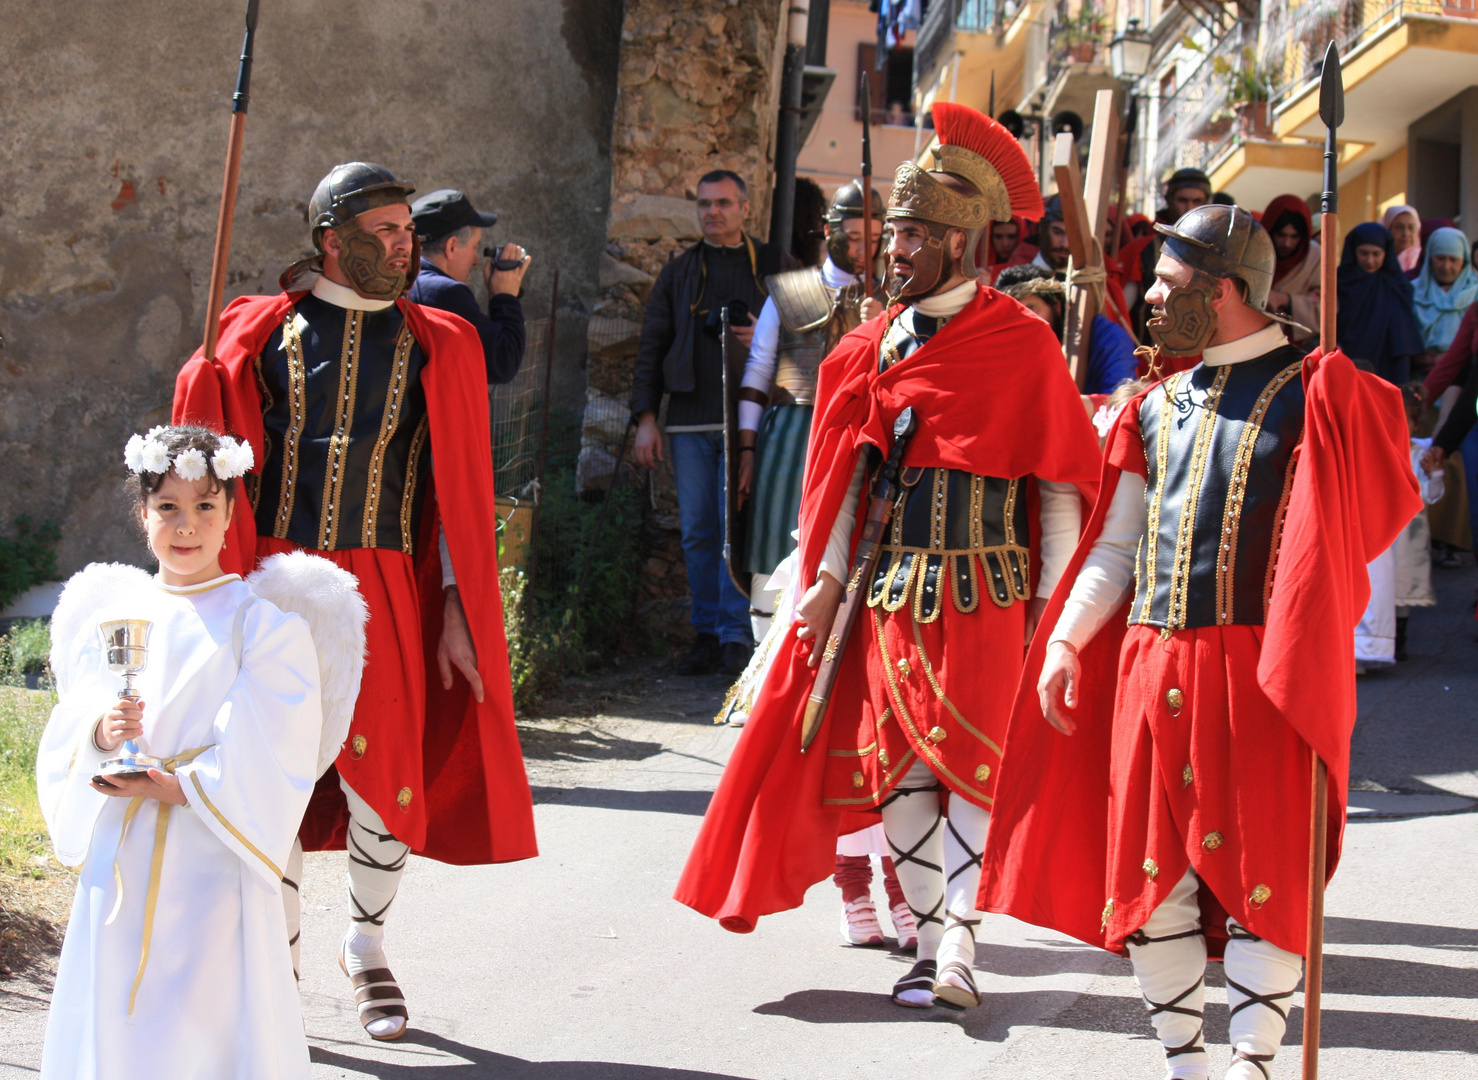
x=1429, y=226
x=1376, y=325
x=1295, y=292
x=1443, y=291
x=1405, y=224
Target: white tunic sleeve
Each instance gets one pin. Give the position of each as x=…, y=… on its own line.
x=252, y=786
x=838, y=557
x=1061, y=521
x=1108, y=572
x=759, y=369
x=67, y=758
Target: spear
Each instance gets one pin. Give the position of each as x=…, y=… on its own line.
x=217, y=298
x=868, y=254
x=1332, y=112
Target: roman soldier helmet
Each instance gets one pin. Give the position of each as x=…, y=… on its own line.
x=980, y=175
x=1225, y=241
x=348, y=191
x=847, y=205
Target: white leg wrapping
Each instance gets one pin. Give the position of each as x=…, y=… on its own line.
x=1169, y=957
x=761, y=605
x=964, y=844
x=915, y=830
x=292, y=903
x=376, y=864
x=1261, y=979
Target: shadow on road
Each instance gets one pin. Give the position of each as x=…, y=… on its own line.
x=660, y=802
x=1376, y=932
x=477, y=1064
x=582, y=744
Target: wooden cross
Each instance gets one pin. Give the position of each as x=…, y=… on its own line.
x=1085, y=214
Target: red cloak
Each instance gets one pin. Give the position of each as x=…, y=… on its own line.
x=992, y=397
x=1290, y=683
x=476, y=806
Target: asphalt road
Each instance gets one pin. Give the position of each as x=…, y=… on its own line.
x=578, y=966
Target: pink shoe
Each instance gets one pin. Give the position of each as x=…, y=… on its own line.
x=860, y=922
x=904, y=926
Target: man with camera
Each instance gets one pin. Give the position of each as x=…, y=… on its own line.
x=450, y=231
x=681, y=355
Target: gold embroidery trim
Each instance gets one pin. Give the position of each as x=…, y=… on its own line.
x=338, y=443
x=920, y=745
x=918, y=638
x=1278, y=518
x=1152, y=526
x=408, y=496
x=1231, y=519
x=869, y=748
x=877, y=793
x=389, y=424
x=242, y=840
x=1008, y=513
x=1180, y=576
x=293, y=345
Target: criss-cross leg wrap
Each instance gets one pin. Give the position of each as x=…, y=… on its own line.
x=915, y=830
x=964, y=845
x=1261, y=979
x=1169, y=957
x=376, y=864
x=292, y=904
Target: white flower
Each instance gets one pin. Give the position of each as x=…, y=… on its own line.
x=154, y=456
x=133, y=454
x=156, y=431
x=190, y=464
x=233, y=459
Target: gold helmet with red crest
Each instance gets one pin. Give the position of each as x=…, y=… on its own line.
x=980, y=175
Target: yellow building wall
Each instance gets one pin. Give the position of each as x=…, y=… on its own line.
x=833, y=153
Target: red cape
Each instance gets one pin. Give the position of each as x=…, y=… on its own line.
x=1353, y=492
x=471, y=752
x=992, y=397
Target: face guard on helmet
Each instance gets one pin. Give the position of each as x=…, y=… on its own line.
x=1215, y=241
x=346, y=192
x=846, y=205
x=981, y=175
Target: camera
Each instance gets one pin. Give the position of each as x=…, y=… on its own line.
x=493, y=251
x=738, y=316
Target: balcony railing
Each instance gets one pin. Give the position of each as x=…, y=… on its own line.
x=1298, y=31
x=1196, y=123
x=942, y=20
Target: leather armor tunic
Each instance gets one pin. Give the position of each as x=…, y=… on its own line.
x=813, y=318
x=1219, y=447
x=954, y=531
x=348, y=448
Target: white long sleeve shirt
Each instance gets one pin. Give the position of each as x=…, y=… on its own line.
x=1061, y=513
x=764, y=349
x=1108, y=572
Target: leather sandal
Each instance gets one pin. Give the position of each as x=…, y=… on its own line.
x=377, y=997
x=956, y=997
x=920, y=977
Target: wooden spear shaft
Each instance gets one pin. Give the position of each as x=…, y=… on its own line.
x=216, y=301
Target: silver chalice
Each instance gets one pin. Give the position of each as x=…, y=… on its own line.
x=126, y=643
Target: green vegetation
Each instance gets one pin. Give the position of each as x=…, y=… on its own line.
x=27, y=558
x=24, y=845
x=24, y=651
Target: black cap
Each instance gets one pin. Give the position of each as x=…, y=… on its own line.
x=443, y=212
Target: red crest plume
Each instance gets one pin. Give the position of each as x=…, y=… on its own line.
x=969, y=129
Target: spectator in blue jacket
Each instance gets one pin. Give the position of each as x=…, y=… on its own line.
x=451, y=235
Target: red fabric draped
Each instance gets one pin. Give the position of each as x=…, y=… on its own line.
x=1289, y=204
x=479, y=808
x=1047, y=857
x=991, y=396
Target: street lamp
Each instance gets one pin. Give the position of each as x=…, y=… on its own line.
x=1129, y=51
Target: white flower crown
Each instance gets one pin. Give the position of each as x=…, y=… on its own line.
x=147, y=454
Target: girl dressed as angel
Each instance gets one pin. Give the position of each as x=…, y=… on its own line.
x=176, y=960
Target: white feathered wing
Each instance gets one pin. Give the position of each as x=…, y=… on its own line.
x=328, y=598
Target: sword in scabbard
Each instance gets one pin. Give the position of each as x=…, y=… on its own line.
x=217, y=298
x=881, y=503
x=1332, y=112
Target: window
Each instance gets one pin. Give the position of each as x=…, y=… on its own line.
x=891, y=87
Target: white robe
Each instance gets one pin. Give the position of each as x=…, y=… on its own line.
x=217, y=999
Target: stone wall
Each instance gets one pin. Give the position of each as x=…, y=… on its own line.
x=115, y=131
x=698, y=89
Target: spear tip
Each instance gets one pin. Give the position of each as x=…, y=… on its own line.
x=1331, y=89
x=251, y=14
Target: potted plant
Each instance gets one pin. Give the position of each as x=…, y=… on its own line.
x=1246, y=83
x=1082, y=33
